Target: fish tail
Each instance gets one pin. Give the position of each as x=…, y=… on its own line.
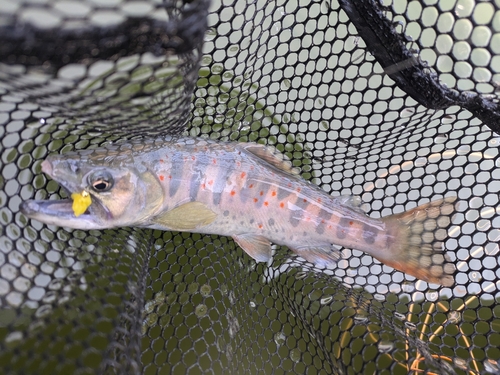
x=417, y=247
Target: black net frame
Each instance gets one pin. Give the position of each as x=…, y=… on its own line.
x=396, y=102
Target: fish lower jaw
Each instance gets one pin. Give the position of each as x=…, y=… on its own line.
x=60, y=213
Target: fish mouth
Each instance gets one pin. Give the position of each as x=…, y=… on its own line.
x=60, y=212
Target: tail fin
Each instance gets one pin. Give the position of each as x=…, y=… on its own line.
x=418, y=245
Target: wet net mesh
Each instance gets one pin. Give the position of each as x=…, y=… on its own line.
x=396, y=102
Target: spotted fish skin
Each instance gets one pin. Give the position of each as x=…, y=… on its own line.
x=246, y=191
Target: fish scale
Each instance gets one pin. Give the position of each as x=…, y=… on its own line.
x=243, y=190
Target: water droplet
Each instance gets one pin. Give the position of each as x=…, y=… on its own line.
x=300, y=275
x=326, y=300
x=286, y=84
x=385, y=346
x=453, y=317
x=231, y=297
x=420, y=162
x=475, y=276
x=493, y=366
x=252, y=304
x=223, y=289
x=205, y=290
x=360, y=318
x=407, y=112
x=400, y=316
x=460, y=363
x=494, y=142
x=279, y=338
x=432, y=296
x=13, y=336
x=210, y=34
x=274, y=293
x=229, y=352
x=411, y=326
x=441, y=138
x=233, y=323
x=295, y=355
x=276, y=27
x=448, y=119
x=43, y=121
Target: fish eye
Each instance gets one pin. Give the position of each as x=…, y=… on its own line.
x=101, y=181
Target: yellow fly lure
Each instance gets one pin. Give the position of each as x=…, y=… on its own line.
x=81, y=201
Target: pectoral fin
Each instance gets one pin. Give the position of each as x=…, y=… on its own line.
x=258, y=247
x=186, y=217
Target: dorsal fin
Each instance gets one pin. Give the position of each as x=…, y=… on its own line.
x=271, y=156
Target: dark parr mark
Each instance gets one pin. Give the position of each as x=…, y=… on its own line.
x=283, y=193
x=260, y=191
x=225, y=166
x=296, y=215
x=199, y=167
x=226, y=213
x=271, y=222
x=369, y=233
x=325, y=216
x=342, y=228
x=176, y=173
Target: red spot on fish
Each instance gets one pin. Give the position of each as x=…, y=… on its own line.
x=238, y=164
x=351, y=223
x=251, y=186
x=323, y=222
x=329, y=227
x=161, y=161
x=211, y=182
x=266, y=204
x=193, y=157
x=170, y=177
x=255, y=200
x=214, y=161
x=261, y=226
x=162, y=177
x=289, y=184
x=305, y=200
x=261, y=193
x=282, y=205
x=273, y=193
x=298, y=190
x=203, y=186
x=233, y=193
x=243, y=174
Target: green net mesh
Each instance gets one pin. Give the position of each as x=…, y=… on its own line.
x=396, y=102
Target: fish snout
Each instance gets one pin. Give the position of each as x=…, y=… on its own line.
x=47, y=167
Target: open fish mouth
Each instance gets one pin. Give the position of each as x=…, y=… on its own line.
x=60, y=212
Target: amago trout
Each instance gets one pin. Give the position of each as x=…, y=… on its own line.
x=242, y=190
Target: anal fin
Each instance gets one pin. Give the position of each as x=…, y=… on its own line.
x=320, y=255
x=186, y=217
x=258, y=247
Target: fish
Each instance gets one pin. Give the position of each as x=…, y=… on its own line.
x=247, y=191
